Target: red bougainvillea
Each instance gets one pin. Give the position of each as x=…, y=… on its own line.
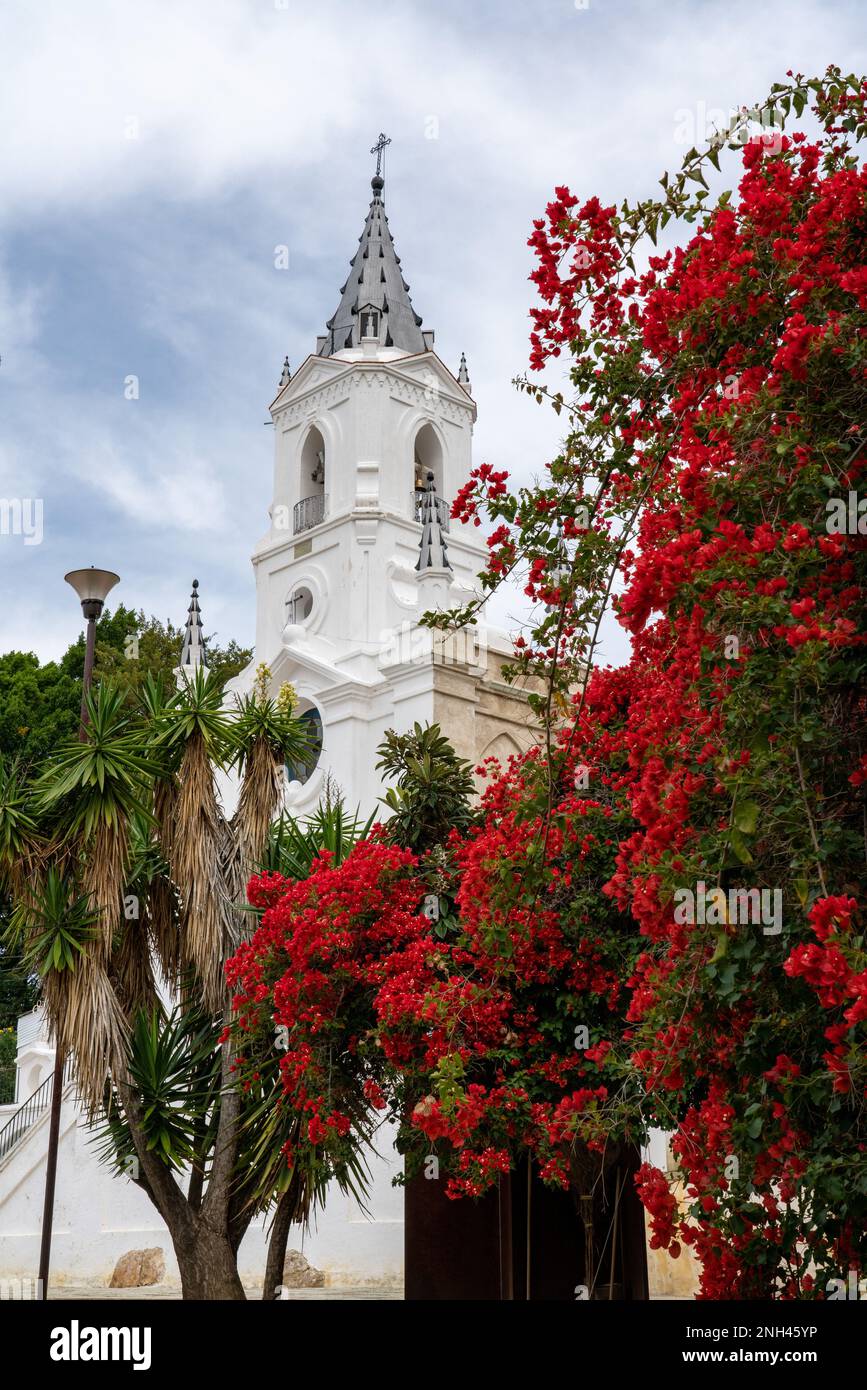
x=713, y=468
x=660, y=912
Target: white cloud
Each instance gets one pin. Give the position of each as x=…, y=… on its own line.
x=254, y=123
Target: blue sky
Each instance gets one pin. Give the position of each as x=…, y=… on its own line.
x=153, y=156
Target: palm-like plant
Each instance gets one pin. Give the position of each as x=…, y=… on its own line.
x=137, y=864
x=57, y=927
x=54, y=925
x=89, y=793
x=191, y=735
x=174, y=1065
x=265, y=736
x=84, y=803
x=155, y=704
x=293, y=845
x=20, y=842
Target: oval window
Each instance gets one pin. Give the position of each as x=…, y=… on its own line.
x=303, y=767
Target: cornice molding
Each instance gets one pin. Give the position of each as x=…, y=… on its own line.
x=449, y=403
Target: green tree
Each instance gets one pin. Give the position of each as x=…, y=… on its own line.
x=8, y=1049
x=432, y=790
x=40, y=703
x=19, y=987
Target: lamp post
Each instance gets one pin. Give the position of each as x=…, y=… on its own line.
x=92, y=586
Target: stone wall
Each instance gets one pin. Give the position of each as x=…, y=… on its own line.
x=481, y=713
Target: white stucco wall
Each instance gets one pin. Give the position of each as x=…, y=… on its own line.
x=99, y=1216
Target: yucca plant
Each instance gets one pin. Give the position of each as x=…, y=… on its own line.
x=89, y=793
x=156, y=703
x=20, y=841
x=123, y=865
x=56, y=928
x=264, y=737
x=192, y=736
x=53, y=926
x=174, y=1065
x=83, y=804
x=293, y=844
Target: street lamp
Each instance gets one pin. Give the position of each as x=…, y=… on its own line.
x=92, y=586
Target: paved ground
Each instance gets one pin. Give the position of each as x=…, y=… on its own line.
x=157, y=1291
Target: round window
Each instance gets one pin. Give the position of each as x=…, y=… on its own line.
x=299, y=605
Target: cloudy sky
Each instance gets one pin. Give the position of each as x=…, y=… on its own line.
x=152, y=156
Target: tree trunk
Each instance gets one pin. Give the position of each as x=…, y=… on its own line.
x=208, y=1265
x=206, y=1258
x=277, y=1242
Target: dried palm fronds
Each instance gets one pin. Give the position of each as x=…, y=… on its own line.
x=160, y=913
x=85, y=1018
x=259, y=800
x=131, y=970
x=196, y=870
x=165, y=811
x=104, y=878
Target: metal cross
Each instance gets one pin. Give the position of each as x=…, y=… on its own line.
x=378, y=149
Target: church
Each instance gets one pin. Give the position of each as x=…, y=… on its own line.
x=372, y=441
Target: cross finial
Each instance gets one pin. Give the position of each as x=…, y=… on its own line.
x=377, y=149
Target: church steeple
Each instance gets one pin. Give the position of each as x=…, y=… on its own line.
x=193, y=652
x=375, y=303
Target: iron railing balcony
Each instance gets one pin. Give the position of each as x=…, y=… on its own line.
x=30, y=1111
x=443, y=508
x=309, y=512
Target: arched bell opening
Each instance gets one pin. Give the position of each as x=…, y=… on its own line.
x=427, y=461
x=312, y=497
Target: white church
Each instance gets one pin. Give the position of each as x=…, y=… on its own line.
x=373, y=439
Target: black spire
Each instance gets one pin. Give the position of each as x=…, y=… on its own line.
x=374, y=302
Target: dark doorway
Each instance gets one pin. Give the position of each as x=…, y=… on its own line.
x=527, y=1240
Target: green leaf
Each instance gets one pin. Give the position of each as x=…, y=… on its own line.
x=739, y=846
x=746, y=816
x=722, y=946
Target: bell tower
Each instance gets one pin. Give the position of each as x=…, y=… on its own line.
x=373, y=439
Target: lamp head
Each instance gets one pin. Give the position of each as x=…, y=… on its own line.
x=92, y=586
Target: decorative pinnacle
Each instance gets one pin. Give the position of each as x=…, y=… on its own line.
x=287, y=374
x=463, y=374
x=193, y=652
x=432, y=549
